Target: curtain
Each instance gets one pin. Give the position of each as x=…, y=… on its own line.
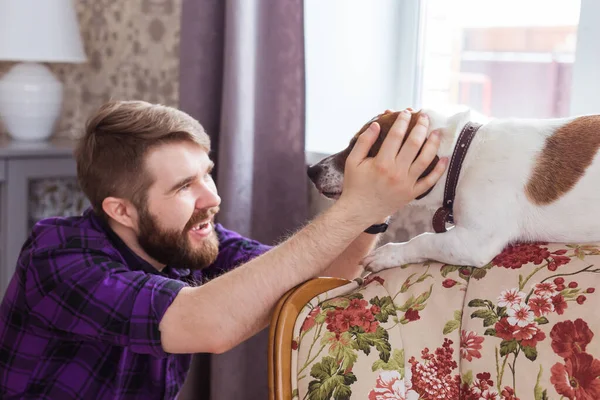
x=242, y=77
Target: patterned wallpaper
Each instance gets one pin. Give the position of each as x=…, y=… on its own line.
x=133, y=53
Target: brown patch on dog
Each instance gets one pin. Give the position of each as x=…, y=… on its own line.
x=385, y=122
x=564, y=159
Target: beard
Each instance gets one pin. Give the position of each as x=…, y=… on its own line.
x=174, y=247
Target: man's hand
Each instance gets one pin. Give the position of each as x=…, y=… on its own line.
x=383, y=184
x=222, y=313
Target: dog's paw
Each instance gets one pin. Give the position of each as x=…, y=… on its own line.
x=386, y=256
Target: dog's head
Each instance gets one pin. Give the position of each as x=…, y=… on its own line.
x=328, y=174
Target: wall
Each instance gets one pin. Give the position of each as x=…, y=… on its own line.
x=351, y=68
x=133, y=53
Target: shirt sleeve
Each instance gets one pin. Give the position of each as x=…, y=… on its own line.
x=234, y=250
x=89, y=295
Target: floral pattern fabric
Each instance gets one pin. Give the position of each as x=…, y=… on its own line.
x=524, y=326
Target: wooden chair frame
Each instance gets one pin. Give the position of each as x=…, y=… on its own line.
x=281, y=330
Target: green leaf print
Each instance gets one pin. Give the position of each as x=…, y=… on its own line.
x=396, y=363
x=477, y=303
x=330, y=381
x=386, y=307
x=451, y=326
x=530, y=352
x=507, y=347
x=378, y=339
x=467, y=378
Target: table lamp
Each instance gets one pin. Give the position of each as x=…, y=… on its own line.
x=33, y=32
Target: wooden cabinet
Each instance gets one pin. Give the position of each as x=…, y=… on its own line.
x=37, y=180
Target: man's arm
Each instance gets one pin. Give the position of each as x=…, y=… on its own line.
x=234, y=306
x=227, y=310
x=346, y=265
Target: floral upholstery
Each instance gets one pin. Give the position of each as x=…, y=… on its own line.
x=523, y=327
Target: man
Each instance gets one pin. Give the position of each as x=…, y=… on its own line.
x=111, y=304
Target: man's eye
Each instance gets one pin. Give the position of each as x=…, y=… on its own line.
x=185, y=187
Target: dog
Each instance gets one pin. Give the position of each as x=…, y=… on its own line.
x=522, y=180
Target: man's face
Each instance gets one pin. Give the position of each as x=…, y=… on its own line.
x=176, y=225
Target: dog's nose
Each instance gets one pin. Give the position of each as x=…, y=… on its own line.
x=314, y=171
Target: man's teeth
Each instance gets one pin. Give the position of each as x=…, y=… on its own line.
x=199, y=226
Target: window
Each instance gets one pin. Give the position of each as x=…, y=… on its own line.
x=503, y=58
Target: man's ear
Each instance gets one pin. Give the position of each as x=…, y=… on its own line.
x=122, y=211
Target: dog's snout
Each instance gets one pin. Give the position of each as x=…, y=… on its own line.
x=314, y=171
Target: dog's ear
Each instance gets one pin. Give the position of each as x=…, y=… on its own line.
x=386, y=121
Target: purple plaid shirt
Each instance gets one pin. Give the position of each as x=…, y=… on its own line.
x=80, y=317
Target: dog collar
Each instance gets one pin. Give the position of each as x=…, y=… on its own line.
x=379, y=228
x=445, y=213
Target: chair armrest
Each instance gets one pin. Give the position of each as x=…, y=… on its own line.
x=281, y=330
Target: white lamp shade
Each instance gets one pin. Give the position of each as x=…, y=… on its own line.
x=40, y=31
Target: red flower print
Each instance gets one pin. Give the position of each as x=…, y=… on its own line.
x=482, y=388
x=570, y=337
x=559, y=304
x=433, y=378
x=515, y=256
x=341, y=320
x=504, y=330
x=412, y=315
x=357, y=305
x=511, y=297
x=373, y=278
x=375, y=309
x=508, y=393
x=309, y=322
x=520, y=315
x=581, y=299
x=577, y=378
x=448, y=283
x=559, y=280
x=544, y=289
x=365, y=320
x=485, y=377
x=390, y=386
x=590, y=290
x=345, y=320
x=489, y=394
x=294, y=345
x=541, y=305
x=573, y=285
x=529, y=335
x=470, y=344
x=557, y=260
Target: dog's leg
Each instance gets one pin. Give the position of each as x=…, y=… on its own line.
x=458, y=246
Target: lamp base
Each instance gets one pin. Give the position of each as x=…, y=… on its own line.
x=30, y=101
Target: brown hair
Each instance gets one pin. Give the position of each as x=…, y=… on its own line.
x=111, y=153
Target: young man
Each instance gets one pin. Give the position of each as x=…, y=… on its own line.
x=110, y=305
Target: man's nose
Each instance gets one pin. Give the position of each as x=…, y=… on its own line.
x=208, y=198
x=314, y=171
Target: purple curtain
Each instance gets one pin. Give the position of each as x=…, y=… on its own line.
x=242, y=77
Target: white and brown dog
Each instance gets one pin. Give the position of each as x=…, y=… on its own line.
x=521, y=180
